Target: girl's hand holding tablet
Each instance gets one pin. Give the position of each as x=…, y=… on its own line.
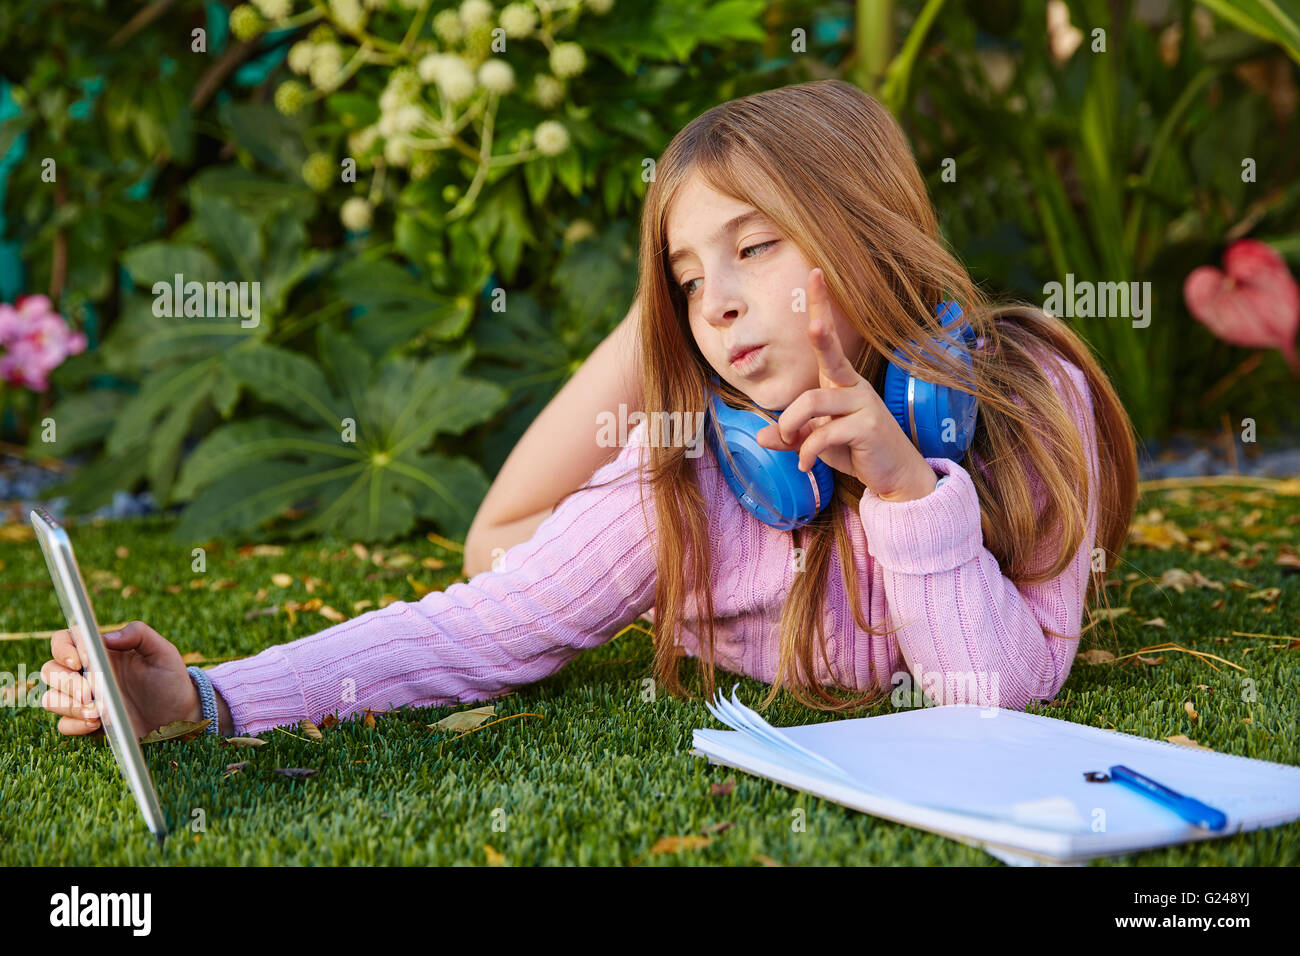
x=845, y=422
x=149, y=670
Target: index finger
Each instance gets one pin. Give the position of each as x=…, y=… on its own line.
x=63, y=650
x=831, y=359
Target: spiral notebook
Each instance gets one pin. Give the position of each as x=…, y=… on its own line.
x=1010, y=783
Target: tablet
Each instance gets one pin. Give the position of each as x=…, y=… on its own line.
x=98, y=671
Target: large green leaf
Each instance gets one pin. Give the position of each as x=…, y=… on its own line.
x=1277, y=21
x=263, y=491
x=374, y=487
x=158, y=393
x=231, y=448
x=273, y=138
x=288, y=261
x=232, y=235
x=289, y=379
x=448, y=490
x=162, y=261
x=166, y=441
x=397, y=305
x=79, y=419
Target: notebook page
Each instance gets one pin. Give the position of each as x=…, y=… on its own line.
x=1030, y=769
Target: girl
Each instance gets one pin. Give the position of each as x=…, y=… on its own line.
x=972, y=578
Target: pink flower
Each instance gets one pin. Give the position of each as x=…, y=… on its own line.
x=23, y=365
x=10, y=323
x=36, y=339
x=1255, y=303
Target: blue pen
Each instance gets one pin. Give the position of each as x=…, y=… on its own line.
x=1193, y=811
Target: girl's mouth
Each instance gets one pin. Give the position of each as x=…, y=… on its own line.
x=746, y=360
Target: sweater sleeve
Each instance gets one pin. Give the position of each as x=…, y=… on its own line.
x=587, y=572
x=966, y=633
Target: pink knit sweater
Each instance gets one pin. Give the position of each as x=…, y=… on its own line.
x=967, y=635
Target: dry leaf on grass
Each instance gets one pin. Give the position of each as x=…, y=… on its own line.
x=465, y=719
x=232, y=768
x=261, y=551
x=420, y=589
x=178, y=730
x=1191, y=711
x=310, y=729
x=722, y=789
x=1140, y=661
x=1184, y=741
x=1096, y=656
x=295, y=772
x=1155, y=622
x=675, y=844
x=242, y=742
x=713, y=829
x=1179, y=580
x=1153, y=531
x=494, y=857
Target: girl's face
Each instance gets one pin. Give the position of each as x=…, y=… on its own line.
x=739, y=275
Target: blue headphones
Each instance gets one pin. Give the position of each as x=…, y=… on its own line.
x=769, y=483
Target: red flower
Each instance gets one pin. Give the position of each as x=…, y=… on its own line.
x=1256, y=303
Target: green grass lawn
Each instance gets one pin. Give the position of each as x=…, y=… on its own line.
x=601, y=776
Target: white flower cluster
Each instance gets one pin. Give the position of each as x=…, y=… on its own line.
x=475, y=12
x=274, y=9
x=348, y=14
x=446, y=25
x=568, y=59
x=326, y=62
x=518, y=20
x=551, y=138
x=458, y=65
x=548, y=91
x=497, y=76
x=451, y=73
x=356, y=214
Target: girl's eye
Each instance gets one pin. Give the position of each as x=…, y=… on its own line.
x=762, y=245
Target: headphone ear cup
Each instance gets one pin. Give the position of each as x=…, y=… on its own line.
x=895, y=395
x=768, y=484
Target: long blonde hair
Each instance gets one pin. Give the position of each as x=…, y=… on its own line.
x=831, y=168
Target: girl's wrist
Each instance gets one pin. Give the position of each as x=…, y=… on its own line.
x=923, y=485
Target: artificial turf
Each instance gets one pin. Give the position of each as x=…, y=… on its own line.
x=601, y=777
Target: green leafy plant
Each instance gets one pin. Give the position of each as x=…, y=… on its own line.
x=243, y=230
x=353, y=439
x=1108, y=158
